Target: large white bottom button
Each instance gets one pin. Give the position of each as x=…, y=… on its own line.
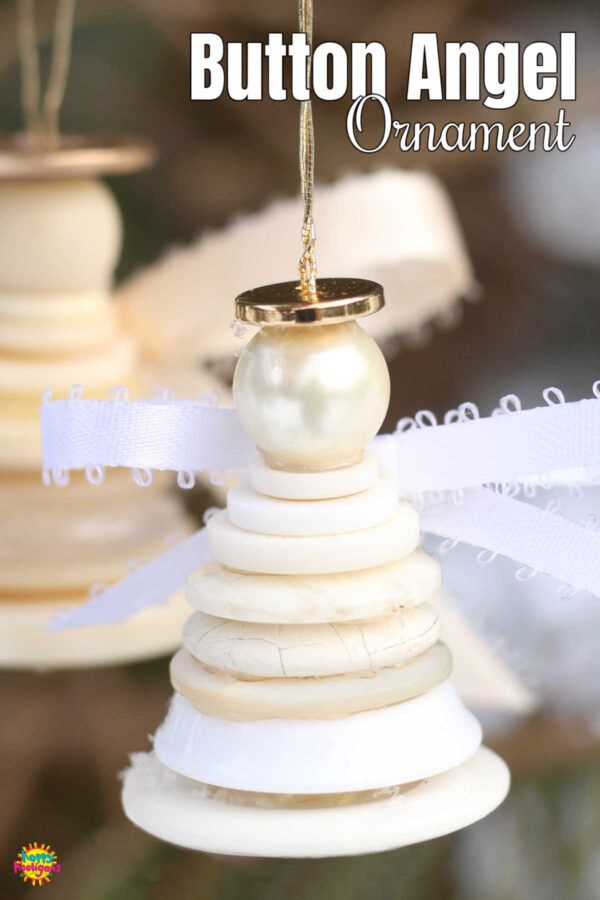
x=199, y=817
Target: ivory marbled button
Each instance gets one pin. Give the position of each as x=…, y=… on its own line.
x=248, y=509
x=216, y=820
x=314, y=485
x=222, y=695
x=394, y=745
x=247, y=551
x=307, y=599
x=277, y=651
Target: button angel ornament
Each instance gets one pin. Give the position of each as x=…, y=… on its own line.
x=313, y=687
x=313, y=713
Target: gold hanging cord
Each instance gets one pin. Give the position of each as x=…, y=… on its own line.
x=42, y=113
x=307, y=265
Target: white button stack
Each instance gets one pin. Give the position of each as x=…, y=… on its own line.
x=313, y=677
x=313, y=713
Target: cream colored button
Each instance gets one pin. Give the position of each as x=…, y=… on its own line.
x=216, y=820
x=307, y=599
x=314, y=485
x=394, y=745
x=307, y=698
x=248, y=509
x=246, y=551
x=277, y=651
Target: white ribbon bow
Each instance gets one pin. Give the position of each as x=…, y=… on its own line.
x=470, y=477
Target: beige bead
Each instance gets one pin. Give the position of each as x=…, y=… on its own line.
x=57, y=235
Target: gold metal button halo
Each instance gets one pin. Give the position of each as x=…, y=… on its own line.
x=335, y=300
x=75, y=156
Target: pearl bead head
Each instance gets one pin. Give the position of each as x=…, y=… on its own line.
x=312, y=397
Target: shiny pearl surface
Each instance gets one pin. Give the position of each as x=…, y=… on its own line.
x=312, y=397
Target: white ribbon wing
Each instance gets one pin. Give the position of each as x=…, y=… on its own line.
x=182, y=436
x=195, y=437
x=149, y=585
x=446, y=468
x=541, y=540
x=505, y=448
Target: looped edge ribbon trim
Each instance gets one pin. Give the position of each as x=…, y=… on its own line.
x=463, y=475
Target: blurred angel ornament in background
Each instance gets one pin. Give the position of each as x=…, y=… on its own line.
x=60, y=238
